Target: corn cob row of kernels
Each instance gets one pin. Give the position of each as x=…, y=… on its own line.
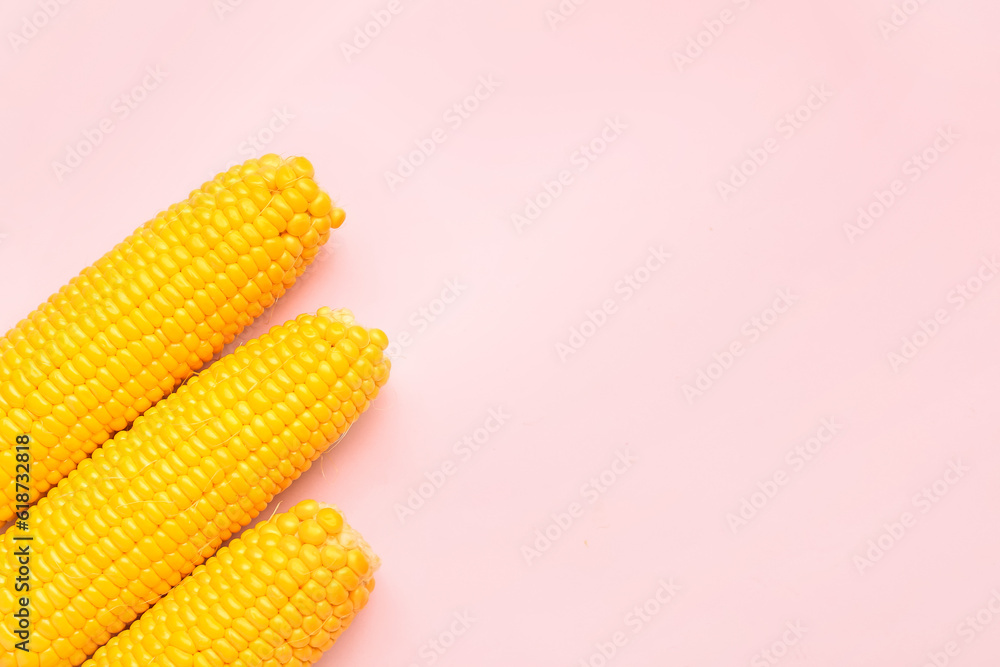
x=207, y=399
x=144, y=317
x=150, y=505
x=277, y=596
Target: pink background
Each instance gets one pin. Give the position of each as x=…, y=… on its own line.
x=495, y=346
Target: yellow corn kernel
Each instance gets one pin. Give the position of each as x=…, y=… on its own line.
x=297, y=634
x=155, y=501
x=148, y=314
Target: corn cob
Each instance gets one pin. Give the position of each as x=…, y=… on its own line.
x=155, y=501
x=278, y=596
x=128, y=329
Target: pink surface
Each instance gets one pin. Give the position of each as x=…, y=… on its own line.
x=791, y=307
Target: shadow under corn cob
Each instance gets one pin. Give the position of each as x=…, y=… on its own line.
x=139, y=321
x=155, y=501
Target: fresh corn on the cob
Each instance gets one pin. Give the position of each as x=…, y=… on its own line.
x=277, y=596
x=128, y=329
x=155, y=501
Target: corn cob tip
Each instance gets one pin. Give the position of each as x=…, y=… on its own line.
x=345, y=315
x=352, y=539
x=279, y=595
x=295, y=170
x=322, y=524
x=299, y=210
x=339, y=323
